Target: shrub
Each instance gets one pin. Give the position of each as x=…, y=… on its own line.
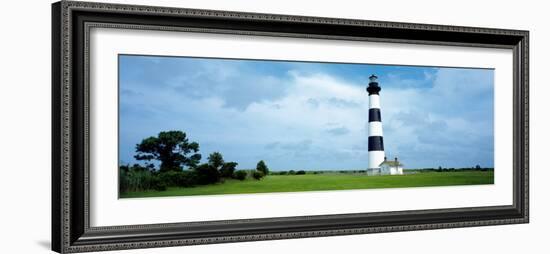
x=157, y=184
x=300, y=172
x=258, y=175
x=178, y=179
x=187, y=179
x=123, y=180
x=206, y=174
x=240, y=175
x=138, y=178
x=228, y=169
x=262, y=167
x=169, y=177
x=124, y=169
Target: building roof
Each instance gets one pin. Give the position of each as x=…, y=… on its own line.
x=391, y=163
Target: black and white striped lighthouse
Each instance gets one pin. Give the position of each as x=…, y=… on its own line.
x=376, y=139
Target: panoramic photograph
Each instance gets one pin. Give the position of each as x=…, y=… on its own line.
x=213, y=126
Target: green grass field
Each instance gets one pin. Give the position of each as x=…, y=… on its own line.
x=325, y=181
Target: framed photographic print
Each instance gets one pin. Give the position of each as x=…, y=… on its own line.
x=182, y=126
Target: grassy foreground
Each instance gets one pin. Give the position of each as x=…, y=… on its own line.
x=326, y=181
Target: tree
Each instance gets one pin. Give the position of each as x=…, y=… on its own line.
x=478, y=167
x=228, y=169
x=215, y=160
x=262, y=167
x=171, y=148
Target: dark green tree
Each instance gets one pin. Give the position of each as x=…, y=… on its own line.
x=228, y=169
x=262, y=167
x=171, y=148
x=215, y=160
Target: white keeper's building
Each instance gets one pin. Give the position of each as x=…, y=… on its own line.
x=387, y=167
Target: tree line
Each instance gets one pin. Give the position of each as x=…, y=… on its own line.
x=178, y=161
x=443, y=169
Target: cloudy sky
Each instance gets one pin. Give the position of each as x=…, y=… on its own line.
x=301, y=115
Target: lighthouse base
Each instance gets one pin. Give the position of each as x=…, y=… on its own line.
x=374, y=171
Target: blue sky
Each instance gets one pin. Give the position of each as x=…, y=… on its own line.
x=303, y=115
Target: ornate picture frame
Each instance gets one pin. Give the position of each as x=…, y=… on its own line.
x=71, y=24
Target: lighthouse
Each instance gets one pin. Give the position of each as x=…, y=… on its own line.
x=376, y=139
